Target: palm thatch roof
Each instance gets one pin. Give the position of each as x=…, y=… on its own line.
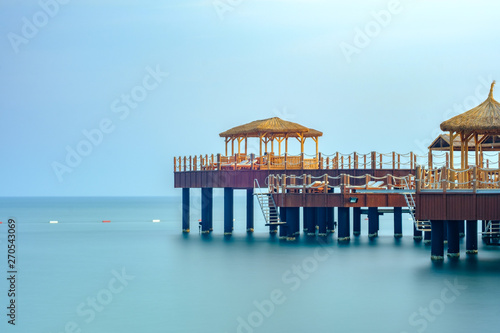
x=270, y=127
x=483, y=119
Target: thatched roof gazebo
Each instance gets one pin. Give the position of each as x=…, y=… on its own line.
x=477, y=124
x=268, y=130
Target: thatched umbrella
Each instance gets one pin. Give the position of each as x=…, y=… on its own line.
x=483, y=120
x=267, y=130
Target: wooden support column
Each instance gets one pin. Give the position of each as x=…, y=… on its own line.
x=417, y=234
x=427, y=237
x=373, y=222
x=308, y=220
x=344, y=225
x=283, y=227
x=206, y=210
x=321, y=220
x=398, y=222
x=356, y=221
x=330, y=219
x=445, y=231
x=273, y=229
x=471, y=237
x=185, y=210
x=461, y=229
x=437, y=246
x=228, y=211
x=453, y=240
x=250, y=217
x=293, y=222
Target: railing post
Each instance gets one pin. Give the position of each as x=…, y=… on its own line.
x=304, y=181
x=190, y=163
x=195, y=165
x=374, y=159
x=302, y=161
x=337, y=160
x=184, y=163
x=447, y=160
x=393, y=160
x=474, y=179
x=218, y=161
x=320, y=161
x=175, y=163
x=399, y=161
x=283, y=183
x=252, y=159
x=444, y=178
x=429, y=159
x=328, y=163
x=286, y=161
x=364, y=161
x=411, y=161
x=418, y=179
x=325, y=180
x=356, y=160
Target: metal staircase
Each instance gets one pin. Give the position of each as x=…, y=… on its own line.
x=410, y=202
x=491, y=234
x=267, y=205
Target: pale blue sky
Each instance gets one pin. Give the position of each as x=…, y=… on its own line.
x=252, y=60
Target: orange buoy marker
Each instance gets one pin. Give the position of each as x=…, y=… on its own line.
x=107, y=221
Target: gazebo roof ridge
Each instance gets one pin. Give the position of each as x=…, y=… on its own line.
x=269, y=126
x=482, y=119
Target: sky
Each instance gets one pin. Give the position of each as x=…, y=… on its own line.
x=99, y=96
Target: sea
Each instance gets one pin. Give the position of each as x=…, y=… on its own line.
x=135, y=275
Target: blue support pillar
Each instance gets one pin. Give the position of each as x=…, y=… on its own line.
x=461, y=228
x=206, y=210
x=228, y=211
x=273, y=229
x=372, y=222
x=471, y=237
x=427, y=237
x=344, y=225
x=398, y=222
x=185, y=210
x=356, y=221
x=250, y=218
x=283, y=229
x=321, y=220
x=453, y=239
x=437, y=246
x=309, y=223
x=293, y=223
x=445, y=231
x=417, y=234
x=330, y=219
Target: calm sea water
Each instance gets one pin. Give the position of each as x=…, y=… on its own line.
x=132, y=275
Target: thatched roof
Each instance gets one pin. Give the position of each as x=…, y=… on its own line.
x=488, y=143
x=271, y=126
x=483, y=119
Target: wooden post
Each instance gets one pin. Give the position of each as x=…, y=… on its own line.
x=184, y=163
x=374, y=159
x=356, y=160
x=418, y=179
x=429, y=159
x=252, y=159
x=218, y=162
x=302, y=161
x=328, y=163
x=283, y=183
x=381, y=164
x=474, y=179
x=393, y=160
x=320, y=161
x=235, y=161
x=349, y=160
x=175, y=164
x=190, y=163
x=447, y=159
x=286, y=160
x=412, y=164
x=364, y=161
x=337, y=160
x=399, y=161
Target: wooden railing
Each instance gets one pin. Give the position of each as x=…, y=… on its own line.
x=270, y=161
x=373, y=160
x=343, y=183
x=445, y=179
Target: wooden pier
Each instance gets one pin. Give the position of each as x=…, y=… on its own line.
x=445, y=203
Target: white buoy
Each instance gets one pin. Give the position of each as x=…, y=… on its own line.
x=156, y=221
x=53, y=222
